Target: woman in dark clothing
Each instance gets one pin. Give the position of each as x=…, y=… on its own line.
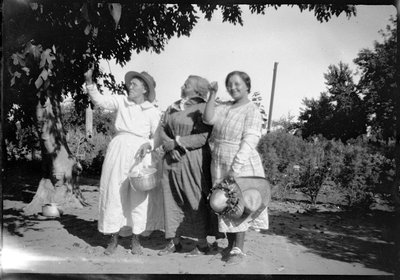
x=186, y=168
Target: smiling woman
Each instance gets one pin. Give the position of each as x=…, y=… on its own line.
x=236, y=131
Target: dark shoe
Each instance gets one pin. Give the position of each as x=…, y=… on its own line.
x=236, y=257
x=112, y=246
x=198, y=251
x=136, y=248
x=170, y=248
x=226, y=251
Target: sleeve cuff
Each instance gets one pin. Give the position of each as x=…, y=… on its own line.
x=236, y=167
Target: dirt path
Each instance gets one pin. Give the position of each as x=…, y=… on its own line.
x=324, y=241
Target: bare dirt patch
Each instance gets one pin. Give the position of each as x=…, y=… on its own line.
x=302, y=240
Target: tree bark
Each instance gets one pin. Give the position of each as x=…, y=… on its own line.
x=396, y=182
x=60, y=168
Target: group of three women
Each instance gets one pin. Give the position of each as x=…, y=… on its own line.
x=189, y=167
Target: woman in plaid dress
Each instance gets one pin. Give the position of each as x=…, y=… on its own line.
x=236, y=132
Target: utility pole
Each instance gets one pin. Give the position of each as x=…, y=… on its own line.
x=272, y=98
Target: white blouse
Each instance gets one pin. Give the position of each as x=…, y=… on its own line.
x=139, y=119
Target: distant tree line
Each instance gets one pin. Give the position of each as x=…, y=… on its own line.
x=347, y=109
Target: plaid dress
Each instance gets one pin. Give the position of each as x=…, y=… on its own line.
x=235, y=136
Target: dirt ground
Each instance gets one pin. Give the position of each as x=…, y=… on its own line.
x=302, y=240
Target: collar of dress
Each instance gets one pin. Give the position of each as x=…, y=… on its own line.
x=181, y=104
x=145, y=105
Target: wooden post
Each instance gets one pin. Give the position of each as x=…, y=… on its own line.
x=272, y=98
x=89, y=122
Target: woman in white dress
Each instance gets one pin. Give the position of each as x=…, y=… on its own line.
x=122, y=210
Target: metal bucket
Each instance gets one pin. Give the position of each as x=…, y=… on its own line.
x=51, y=210
x=143, y=179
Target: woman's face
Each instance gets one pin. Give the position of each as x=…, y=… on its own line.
x=237, y=88
x=188, y=89
x=136, y=90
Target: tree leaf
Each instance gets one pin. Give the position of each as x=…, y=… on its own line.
x=34, y=6
x=15, y=75
x=95, y=32
x=46, y=84
x=14, y=57
x=44, y=74
x=84, y=12
x=38, y=82
x=27, y=70
x=87, y=29
x=29, y=48
x=115, y=10
x=37, y=50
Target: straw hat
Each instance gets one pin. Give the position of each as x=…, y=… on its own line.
x=151, y=84
x=242, y=199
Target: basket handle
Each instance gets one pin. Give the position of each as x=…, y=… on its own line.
x=139, y=166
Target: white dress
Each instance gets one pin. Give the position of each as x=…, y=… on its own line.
x=122, y=209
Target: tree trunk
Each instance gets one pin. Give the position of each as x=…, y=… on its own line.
x=396, y=183
x=60, y=169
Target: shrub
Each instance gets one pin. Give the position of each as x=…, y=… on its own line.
x=89, y=152
x=280, y=154
x=24, y=146
x=352, y=172
x=316, y=166
x=360, y=174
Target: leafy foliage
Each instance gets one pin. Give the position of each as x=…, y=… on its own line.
x=256, y=98
x=103, y=120
x=378, y=82
x=339, y=105
x=352, y=172
x=79, y=33
x=281, y=154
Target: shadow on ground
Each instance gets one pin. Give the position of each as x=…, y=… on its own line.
x=365, y=237
x=352, y=237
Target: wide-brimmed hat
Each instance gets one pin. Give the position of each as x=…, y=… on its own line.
x=151, y=84
x=253, y=192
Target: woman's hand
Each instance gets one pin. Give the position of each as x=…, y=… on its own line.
x=143, y=149
x=213, y=87
x=89, y=75
x=232, y=175
x=169, y=146
x=175, y=155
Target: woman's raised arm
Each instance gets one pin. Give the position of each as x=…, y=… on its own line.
x=210, y=106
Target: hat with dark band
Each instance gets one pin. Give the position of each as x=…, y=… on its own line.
x=151, y=84
x=241, y=199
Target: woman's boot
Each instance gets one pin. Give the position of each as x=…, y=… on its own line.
x=136, y=248
x=237, y=254
x=231, y=236
x=112, y=245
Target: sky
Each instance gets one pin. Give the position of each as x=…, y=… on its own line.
x=302, y=47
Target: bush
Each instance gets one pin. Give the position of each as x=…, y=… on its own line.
x=23, y=146
x=281, y=153
x=352, y=172
x=361, y=173
x=89, y=152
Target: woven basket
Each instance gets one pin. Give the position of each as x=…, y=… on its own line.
x=144, y=179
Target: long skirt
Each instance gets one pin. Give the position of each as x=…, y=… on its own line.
x=121, y=208
x=186, y=185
